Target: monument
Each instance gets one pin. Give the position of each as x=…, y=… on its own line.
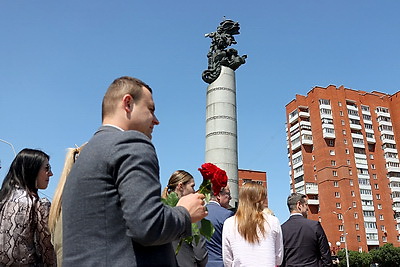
x=221, y=120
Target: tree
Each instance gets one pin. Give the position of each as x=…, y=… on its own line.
x=386, y=256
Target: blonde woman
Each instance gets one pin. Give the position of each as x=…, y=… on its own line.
x=190, y=255
x=252, y=237
x=55, y=217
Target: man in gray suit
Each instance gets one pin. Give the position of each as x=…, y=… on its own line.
x=304, y=241
x=112, y=213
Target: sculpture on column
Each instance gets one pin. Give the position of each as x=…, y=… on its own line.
x=219, y=54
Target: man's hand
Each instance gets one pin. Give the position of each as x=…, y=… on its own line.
x=194, y=203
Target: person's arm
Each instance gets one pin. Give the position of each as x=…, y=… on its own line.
x=323, y=246
x=148, y=220
x=227, y=255
x=42, y=234
x=278, y=243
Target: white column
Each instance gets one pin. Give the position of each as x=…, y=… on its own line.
x=221, y=128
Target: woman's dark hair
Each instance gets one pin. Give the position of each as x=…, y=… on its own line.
x=23, y=173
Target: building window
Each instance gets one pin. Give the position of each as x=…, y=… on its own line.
x=383, y=229
x=384, y=239
x=371, y=156
x=350, y=172
x=333, y=163
x=351, y=182
x=341, y=228
x=376, y=186
x=347, y=151
x=358, y=238
x=313, y=157
x=335, y=184
x=353, y=194
x=348, y=162
x=354, y=204
x=374, y=176
x=331, y=142
x=337, y=194
x=378, y=196
x=357, y=226
x=343, y=122
x=344, y=132
x=338, y=206
x=332, y=152
x=355, y=215
x=379, y=206
x=341, y=113
x=345, y=141
x=373, y=166
x=334, y=173
x=341, y=238
x=340, y=104
x=381, y=217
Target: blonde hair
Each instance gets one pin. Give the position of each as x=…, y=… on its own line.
x=55, y=209
x=249, y=216
x=177, y=177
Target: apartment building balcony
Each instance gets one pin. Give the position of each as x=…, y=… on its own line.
x=359, y=144
x=354, y=117
x=366, y=197
x=368, y=208
x=361, y=156
x=396, y=209
x=386, y=140
x=382, y=114
x=313, y=201
x=355, y=126
x=373, y=242
x=328, y=131
x=311, y=189
x=365, y=186
x=306, y=138
x=389, y=150
x=394, y=179
x=396, y=199
x=383, y=122
x=393, y=169
x=293, y=118
x=304, y=114
x=358, y=136
x=294, y=127
x=369, y=219
x=395, y=188
x=394, y=160
x=371, y=230
x=371, y=140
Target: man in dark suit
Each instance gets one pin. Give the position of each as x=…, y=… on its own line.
x=112, y=211
x=305, y=243
x=217, y=214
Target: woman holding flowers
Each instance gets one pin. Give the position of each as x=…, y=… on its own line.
x=252, y=237
x=182, y=183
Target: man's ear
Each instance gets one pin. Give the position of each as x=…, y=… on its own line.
x=128, y=103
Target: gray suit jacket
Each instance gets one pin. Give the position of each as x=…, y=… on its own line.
x=112, y=213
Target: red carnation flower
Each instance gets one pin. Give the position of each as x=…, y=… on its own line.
x=215, y=175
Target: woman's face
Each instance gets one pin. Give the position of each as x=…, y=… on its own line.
x=42, y=180
x=187, y=188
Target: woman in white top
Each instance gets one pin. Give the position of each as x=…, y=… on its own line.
x=251, y=237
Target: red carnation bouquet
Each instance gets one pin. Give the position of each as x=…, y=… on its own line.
x=213, y=178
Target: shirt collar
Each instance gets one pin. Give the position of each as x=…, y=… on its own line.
x=119, y=128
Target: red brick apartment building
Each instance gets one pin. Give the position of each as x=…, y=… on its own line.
x=343, y=154
x=249, y=175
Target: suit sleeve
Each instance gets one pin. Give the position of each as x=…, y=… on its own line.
x=323, y=246
x=148, y=220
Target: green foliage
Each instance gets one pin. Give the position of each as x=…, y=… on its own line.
x=386, y=256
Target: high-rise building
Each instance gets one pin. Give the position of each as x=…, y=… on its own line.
x=343, y=154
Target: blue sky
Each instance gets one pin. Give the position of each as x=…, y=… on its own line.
x=57, y=59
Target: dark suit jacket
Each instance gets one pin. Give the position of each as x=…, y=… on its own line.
x=305, y=243
x=217, y=216
x=112, y=213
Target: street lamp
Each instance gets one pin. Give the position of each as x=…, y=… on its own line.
x=8, y=143
x=344, y=235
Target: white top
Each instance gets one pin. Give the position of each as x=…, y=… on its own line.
x=236, y=251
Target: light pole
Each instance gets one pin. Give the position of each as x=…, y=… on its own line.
x=8, y=143
x=344, y=235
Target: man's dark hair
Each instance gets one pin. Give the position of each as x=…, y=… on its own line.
x=293, y=199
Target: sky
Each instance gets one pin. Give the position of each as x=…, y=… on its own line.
x=57, y=59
